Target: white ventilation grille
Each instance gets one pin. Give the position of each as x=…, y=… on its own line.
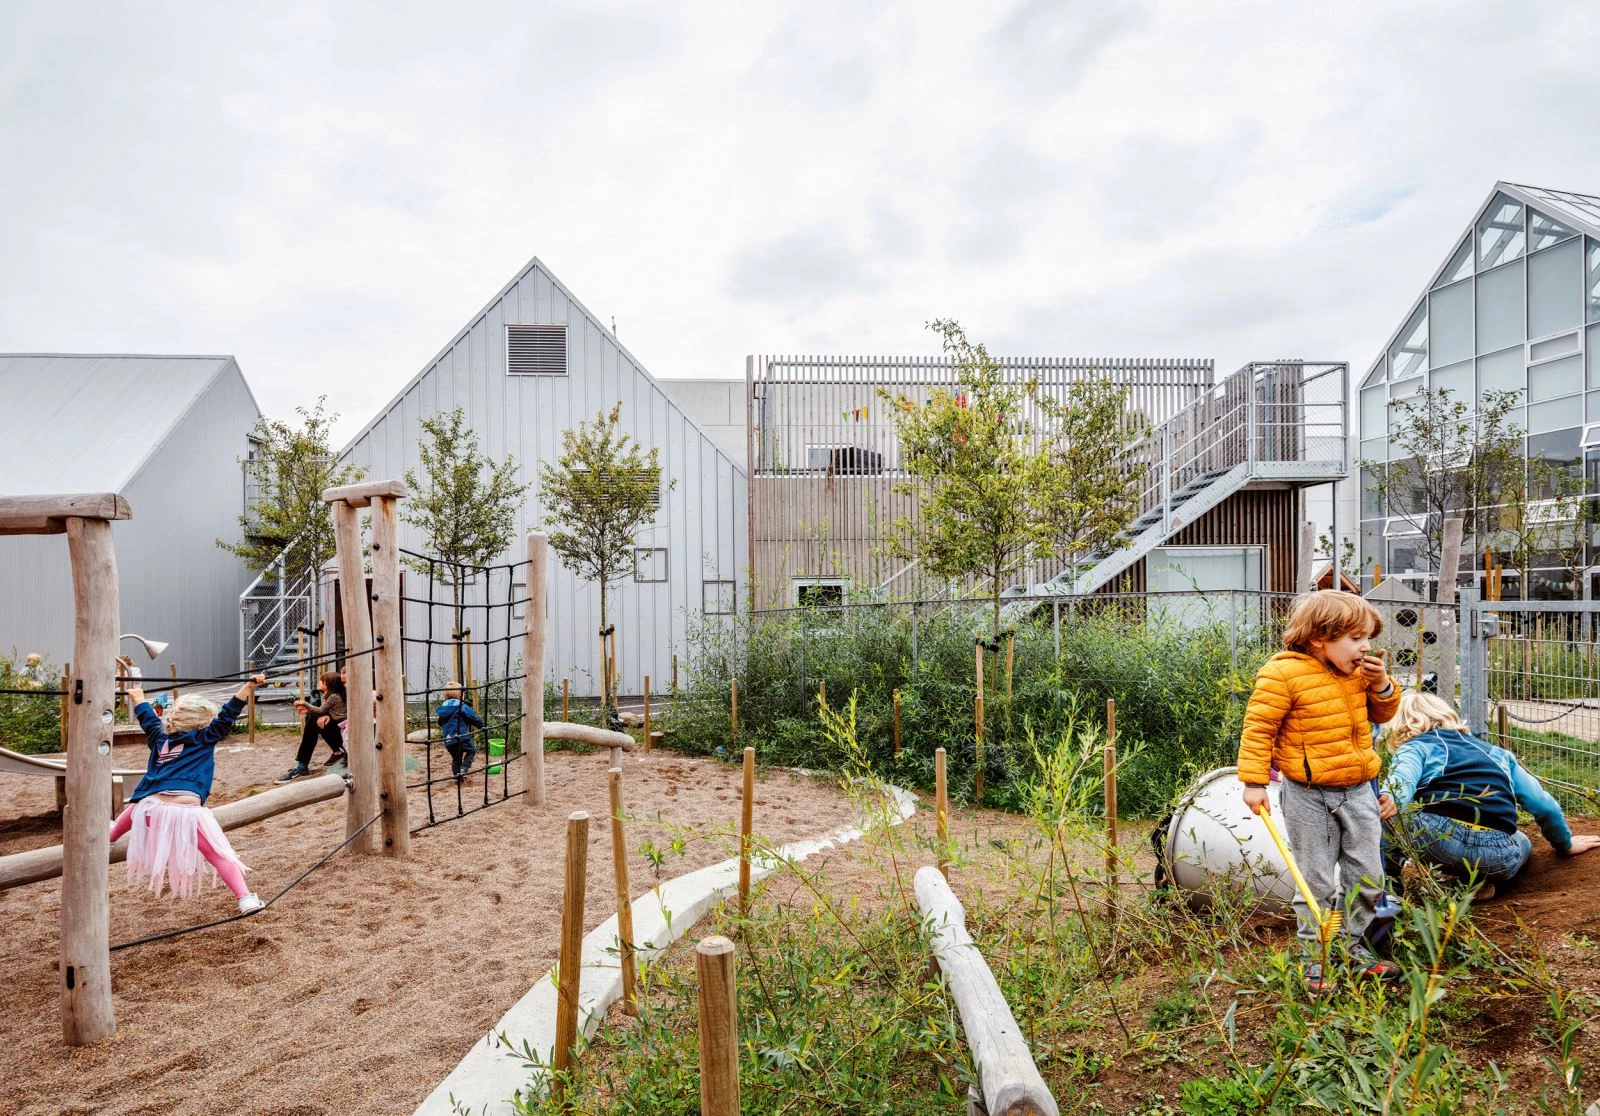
x=536, y=350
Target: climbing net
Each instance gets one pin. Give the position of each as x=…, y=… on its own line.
x=463, y=619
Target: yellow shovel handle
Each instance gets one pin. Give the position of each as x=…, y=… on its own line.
x=1294, y=869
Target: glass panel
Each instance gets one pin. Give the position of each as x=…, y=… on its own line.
x=1593, y=414
x=1555, y=289
x=1375, y=376
x=1593, y=353
x=1500, y=235
x=1459, y=267
x=1410, y=350
x=1450, y=324
x=1371, y=550
x=1594, y=280
x=1501, y=371
x=1499, y=309
x=1371, y=506
x=1406, y=388
x=1457, y=380
x=1405, y=556
x=1544, y=417
x=1374, y=411
x=1544, y=230
x=1556, y=377
x=1553, y=347
x=1374, y=449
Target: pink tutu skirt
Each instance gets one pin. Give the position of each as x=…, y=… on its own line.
x=164, y=846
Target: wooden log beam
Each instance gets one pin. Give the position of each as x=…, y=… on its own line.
x=588, y=734
x=1010, y=1082
x=45, y=864
x=360, y=495
x=27, y=511
x=87, y=1014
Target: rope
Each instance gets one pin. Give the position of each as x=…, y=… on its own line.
x=164, y=935
x=1566, y=711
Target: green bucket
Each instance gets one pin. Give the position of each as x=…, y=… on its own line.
x=497, y=750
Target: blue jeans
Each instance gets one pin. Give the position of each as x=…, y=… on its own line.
x=1456, y=847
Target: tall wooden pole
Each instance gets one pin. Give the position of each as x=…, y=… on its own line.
x=87, y=1014
x=390, y=746
x=533, y=670
x=746, y=817
x=977, y=715
x=619, y=863
x=363, y=801
x=897, y=724
x=719, y=1027
x=941, y=807
x=647, y=712
x=571, y=962
x=733, y=711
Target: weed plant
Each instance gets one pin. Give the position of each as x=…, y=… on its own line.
x=29, y=722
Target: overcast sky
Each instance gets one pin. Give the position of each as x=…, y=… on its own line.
x=330, y=191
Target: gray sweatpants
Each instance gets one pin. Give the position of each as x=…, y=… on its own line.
x=1328, y=828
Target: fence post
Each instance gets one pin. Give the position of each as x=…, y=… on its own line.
x=746, y=819
x=571, y=956
x=1474, y=663
x=897, y=724
x=719, y=1027
x=619, y=865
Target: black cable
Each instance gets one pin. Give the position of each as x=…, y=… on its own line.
x=164, y=935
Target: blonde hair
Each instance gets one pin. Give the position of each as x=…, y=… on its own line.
x=451, y=689
x=1418, y=714
x=188, y=713
x=1329, y=614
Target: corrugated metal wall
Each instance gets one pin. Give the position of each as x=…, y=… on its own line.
x=701, y=523
x=1255, y=517
x=175, y=583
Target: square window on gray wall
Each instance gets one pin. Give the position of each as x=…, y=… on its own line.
x=1500, y=235
x=1501, y=371
x=1555, y=378
x=1499, y=309
x=1555, y=289
x=1450, y=324
x=1456, y=379
x=1409, y=353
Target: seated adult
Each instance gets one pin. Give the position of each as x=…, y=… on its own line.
x=1463, y=796
x=323, y=718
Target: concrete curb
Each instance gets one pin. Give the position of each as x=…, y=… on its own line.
x=496, y=1069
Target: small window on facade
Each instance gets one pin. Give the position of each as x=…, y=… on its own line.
x=536, y=350
x=718, y=598
x=650, y=564
x=817, y=592
x=519, y=600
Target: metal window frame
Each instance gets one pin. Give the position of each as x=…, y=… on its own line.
x=665, y=565
x=715, y=585
x=796, y=584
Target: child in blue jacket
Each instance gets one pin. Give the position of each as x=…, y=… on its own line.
x=1464, y=795
x=174, y=835
x=457, y=720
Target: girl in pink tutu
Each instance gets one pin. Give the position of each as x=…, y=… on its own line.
x=174, y=835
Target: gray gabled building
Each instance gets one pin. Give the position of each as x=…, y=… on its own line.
x=532, y=364
x=167, y=432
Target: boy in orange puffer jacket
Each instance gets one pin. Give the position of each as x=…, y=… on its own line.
x=1311, y=717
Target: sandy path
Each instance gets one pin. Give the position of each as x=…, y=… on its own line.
x=364, y=986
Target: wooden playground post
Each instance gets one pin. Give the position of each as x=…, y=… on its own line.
x=619, y=863
x=565, y=716
x=647, y=712
x=251, y=709
x=719, y=1027
x=897, y=724
x=746, y=816
x=388, y=667
x=362, y=805
x=174, y=667
x=533, y=640
x=1111, y=806
x=733, y=711
x=84, y=959
x=571, y=962
x=977, y=716
x=941, y=807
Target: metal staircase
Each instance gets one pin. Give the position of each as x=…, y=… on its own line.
x=276, y=610
x=1272, y=424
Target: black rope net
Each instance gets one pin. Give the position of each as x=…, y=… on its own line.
x=462, y=631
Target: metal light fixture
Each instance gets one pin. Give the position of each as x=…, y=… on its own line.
x=152, y=647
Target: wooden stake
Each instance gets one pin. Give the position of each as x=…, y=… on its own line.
x=565, y=716
x=1111, y=805
x=605, y=677
x=897, y=724
x=674, y=673
x=533, y=670
x=251, y=710
x=719, y=1027
x=571, y=962
x=390, y=692
x=616, y=685
x=733, y=711
x=1419, y=651
x=1503, y=726
x=977, y=716
x=1377, y=574
x=941, y=806
x=174, y=667
x=619, y=862
x=822, y=695
x=647, y=712
x=746, y=817
x=87, y=1014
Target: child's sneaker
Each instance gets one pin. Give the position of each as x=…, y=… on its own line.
x=298, y=771
x=1315, y=984
x=1378, y=969
x=250, y=904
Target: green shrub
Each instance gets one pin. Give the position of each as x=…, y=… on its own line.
x=29, y=723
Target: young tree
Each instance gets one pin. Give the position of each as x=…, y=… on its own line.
x=1549, y=517
x=1455, y=463
x=1096, y=491
x=464, y=503
x=285, y=514
x=598, y=494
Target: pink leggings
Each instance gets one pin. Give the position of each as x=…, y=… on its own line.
x=227, y=869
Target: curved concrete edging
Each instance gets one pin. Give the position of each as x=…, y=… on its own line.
x=496, y=1069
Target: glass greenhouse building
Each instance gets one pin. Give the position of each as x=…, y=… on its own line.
x=1515, y=307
